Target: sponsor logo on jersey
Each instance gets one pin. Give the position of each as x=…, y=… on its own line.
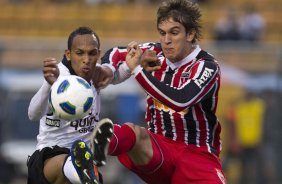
x=84, y=125
x=52, y=122
x=162, y=107
x=204, y=77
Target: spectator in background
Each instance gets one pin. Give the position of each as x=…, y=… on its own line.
x=231, y=162
x=249, y=117
x=252, y=25
x=270, y=136
x=227, y=28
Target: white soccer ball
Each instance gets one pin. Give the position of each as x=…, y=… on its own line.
x=71, y=98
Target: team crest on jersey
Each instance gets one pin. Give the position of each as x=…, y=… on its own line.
x=52, y=122
x=220, y=176
x=185, y=75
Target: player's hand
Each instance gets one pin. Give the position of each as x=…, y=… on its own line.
x=150, y=61
x=133, y=56
x=132, y=45
x=102, y=76
x=50, y=70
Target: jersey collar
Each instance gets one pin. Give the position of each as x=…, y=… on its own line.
x=68, y=65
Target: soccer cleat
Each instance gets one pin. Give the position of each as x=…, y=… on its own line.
x=82, y=160
x=101, y=137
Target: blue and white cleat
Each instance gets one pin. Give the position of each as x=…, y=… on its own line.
x=101, y=138
x=82, y=160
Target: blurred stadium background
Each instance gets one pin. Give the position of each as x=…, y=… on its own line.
x=31, y=30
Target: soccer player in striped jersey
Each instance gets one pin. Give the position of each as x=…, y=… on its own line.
x=62, y=152
x=181, y=143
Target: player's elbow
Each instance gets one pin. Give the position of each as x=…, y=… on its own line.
x=32, y=116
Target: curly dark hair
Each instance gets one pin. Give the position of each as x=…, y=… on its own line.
x=185, y=12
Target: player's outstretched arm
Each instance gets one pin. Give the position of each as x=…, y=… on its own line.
x=114, y=60
x=39, y=103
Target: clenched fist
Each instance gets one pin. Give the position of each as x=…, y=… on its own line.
x=50, y=70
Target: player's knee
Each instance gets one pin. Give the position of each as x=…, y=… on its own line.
x=140, y=132
x=142, y=151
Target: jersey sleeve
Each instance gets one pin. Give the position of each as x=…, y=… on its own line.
x=204, y=76
x=39, y=103
x=115, y=60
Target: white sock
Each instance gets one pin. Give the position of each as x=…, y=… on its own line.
x=70, y=172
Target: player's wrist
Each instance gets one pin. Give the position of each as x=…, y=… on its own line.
x=136, y=70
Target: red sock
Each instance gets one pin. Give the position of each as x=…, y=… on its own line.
x=122, y=140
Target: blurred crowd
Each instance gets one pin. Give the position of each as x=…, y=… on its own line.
x=90, y=2
x=93, y=2
x=249, y=26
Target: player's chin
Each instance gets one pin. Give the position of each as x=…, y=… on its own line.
x=86, y=75
x=169, y=55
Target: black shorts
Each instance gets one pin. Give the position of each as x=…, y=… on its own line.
x=35, y=163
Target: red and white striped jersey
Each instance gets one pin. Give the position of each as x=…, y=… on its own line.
x=182, y=97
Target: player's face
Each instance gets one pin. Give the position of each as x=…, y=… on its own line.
x=175, y=42
x=84, y=55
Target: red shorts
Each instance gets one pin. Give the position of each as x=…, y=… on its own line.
x=177, y=163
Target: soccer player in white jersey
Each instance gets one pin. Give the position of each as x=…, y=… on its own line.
x=62, y=153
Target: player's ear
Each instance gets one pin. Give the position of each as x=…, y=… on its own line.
x=67, y=54
x=191, y=35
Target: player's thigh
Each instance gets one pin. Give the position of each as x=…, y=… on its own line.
x=214, y=176
x=196, y=167
x=53, y=171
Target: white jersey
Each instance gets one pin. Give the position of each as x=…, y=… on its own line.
x=54, y=131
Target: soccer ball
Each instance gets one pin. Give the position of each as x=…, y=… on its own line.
x=71, y=98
